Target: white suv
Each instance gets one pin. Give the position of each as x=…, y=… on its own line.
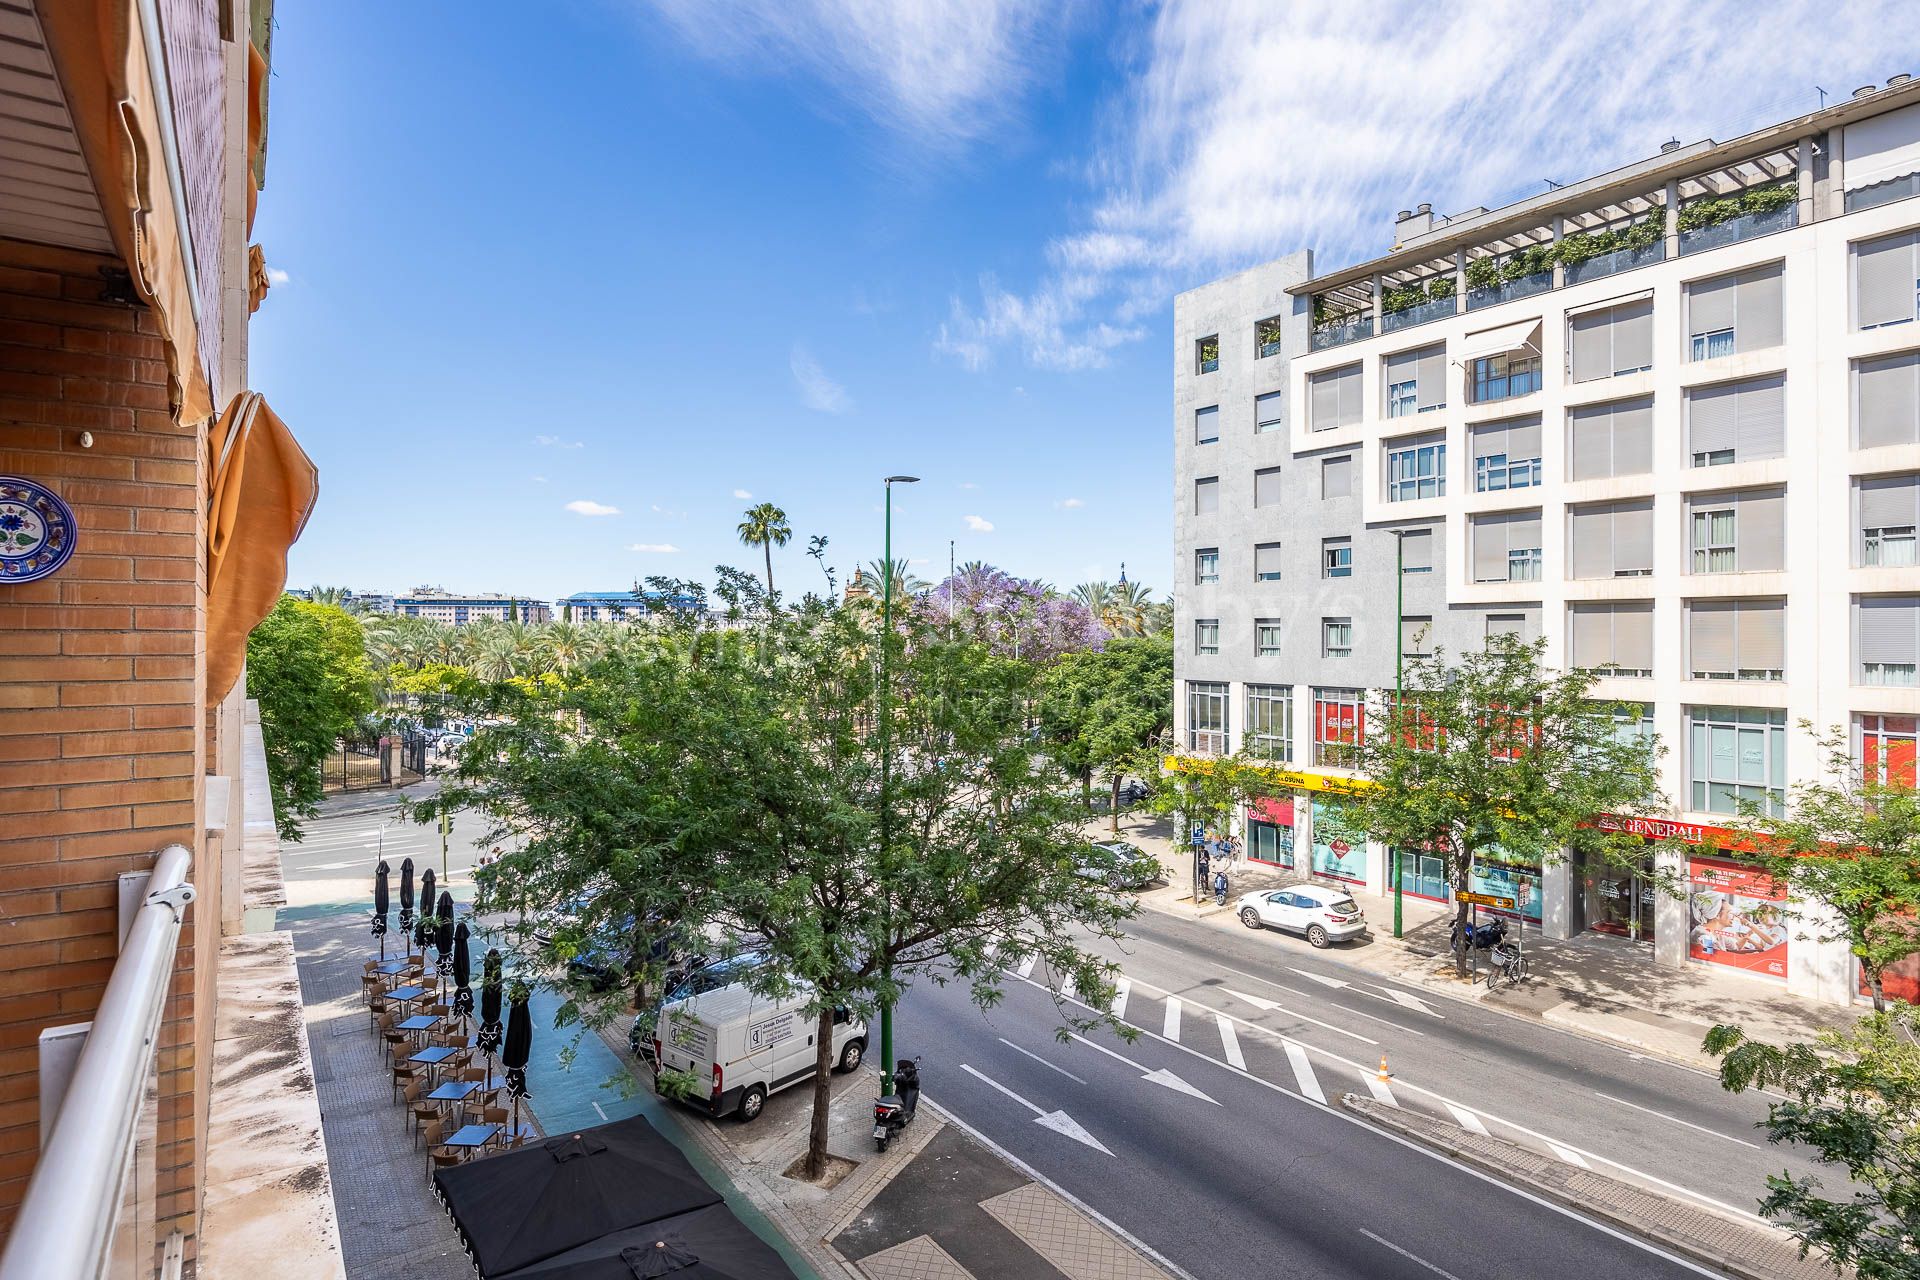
x=1324, y=915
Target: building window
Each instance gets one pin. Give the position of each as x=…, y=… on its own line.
x=1738, y=532
x=1266, y=562
x=1266, y=637
x=1334, y=398
x=1888, y=631
x=1886, y=400
x=1506, y=547
x=1737, y=639
x=1269, y=413
x=1505, y=376
x=1339, y=721
x=1611, y=637
x=1207, y=353
x=1416, y=381
x=1336, y=477
x=1886, y=749
x=1738, y=422
x=1605, y=440
x=1507, y=624
x=1633, y=722
x=1269, y=732
x=1206, y=425
x=1206, y=717
x=1336, y=557
x=1506, y=455
x=1610, y=341
x=1206, y=636
x=1267, y=337
x=1611, y=540
x=1206, y=495
x=1736, y=754
x=1266, y=487
x=1886, y=280
x=1206, y=565
x=1417, y=468
x=1336, y=637
x=1416, y=637
x=1734, y=313
x=1889, y=510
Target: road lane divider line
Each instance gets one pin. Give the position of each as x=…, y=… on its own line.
x=1121, y=989
x=1380, y=1089
x=1229, y=1042
x=1303, y=1073
x=1170, y=1025
x=1272, y=1006
x=1410, y=1257
x=1469, y=1121
x=1676, y=1120
x=1037, y=1058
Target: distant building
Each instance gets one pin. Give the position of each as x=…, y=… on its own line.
x=438, y=605
x=622, y=606
x=370, y=602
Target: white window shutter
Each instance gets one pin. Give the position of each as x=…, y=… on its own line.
x=1710, y=636
x=1889, y=629
x=1523, y=438
x=1633, y=336
x=1884, y=280
x=1889, y=502
x=1591, y=340
x=1591, y=532
x=1888, y=392
x=1760, y=532
x=1761, y=635
x=1759, y=299
x=1710, y=419
x=1591, y=626
x=1431, y=370
x=1349, y=393
x=1326, y=400
x=1416, y=550
x=1760, y=419
x=1633, y=635
x=1490, y=549
x=1632, y=537
x=1266, y=487
x=1711, y=306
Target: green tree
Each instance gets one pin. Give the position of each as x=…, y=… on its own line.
x=1853, y=1098
x=1494, y=755
x=765, y=526
x=1099, y=708
x=1850, y=842
x=730, y=781
x=1200, y=793
x=307, y=666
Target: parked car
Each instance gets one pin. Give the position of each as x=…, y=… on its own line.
x=1322, y=915
x=1120, y=865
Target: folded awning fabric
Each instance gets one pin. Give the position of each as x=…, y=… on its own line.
x=264, y=487
x=1492, y=342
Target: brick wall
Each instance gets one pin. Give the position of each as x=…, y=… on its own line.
x=102, y=691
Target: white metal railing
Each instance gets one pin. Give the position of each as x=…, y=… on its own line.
x=65, y=1226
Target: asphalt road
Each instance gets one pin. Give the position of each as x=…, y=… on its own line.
x=334, y=862
x=1228, y=1175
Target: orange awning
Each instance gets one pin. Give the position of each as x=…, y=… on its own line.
x=264, y=487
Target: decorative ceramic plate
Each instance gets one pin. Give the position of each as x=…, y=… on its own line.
x=36, y=530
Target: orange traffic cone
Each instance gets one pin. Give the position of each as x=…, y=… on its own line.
x=1383, y=1067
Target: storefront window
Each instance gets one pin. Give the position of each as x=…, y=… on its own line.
x=1737, y=918
x=1338, y=854
x=1887, y=749
x=1495, y=872
x=1270, y=831
x=1619, y=900
x=1423, y=875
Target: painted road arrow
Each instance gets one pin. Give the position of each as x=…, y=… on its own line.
x=1058, y=1121
x=1163, y=1077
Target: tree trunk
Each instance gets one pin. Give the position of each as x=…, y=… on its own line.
x=1114, y=810
x=1460, y=939
x=1086, y=789
x=822, y=1096
x=768, y=548
x=1873, y=982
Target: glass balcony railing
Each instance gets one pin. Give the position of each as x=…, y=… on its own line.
x=1339, y=334
x=1607, y=264
x=1419, y=313
x=1508, y=290
x=1734, y=230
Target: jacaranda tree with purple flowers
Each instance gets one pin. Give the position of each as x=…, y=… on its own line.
x=1014, y=617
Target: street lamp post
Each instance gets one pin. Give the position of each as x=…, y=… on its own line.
x=886, y=779
x=1399, y=661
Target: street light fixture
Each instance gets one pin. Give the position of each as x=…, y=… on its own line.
x=886, y=778
x=1399, y=661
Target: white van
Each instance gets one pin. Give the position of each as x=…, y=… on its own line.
x=748, y=1045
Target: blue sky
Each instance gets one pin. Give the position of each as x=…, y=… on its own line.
x=554, y=295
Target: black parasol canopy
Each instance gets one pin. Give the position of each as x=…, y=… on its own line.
x=443, y=932
x=380, y=904
x=490, y=1030
x=520, y=1207
x=519, y=1046
x=406, y=895
x=706, y=1244
x=462, y=974
x=423, y=927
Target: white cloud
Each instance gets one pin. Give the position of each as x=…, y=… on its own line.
x=743, y=495
x=1191, y=177
x=968, y=484
x=275, y=276
x=978, y=525
x=657, y=548
x=538, y=479
x=588, y=507
x=817, y=390
x=1071, y=504
x=944, y=71
x=555, y=442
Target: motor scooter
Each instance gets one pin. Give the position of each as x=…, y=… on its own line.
x=1220, y=888
x=893, y=1112
x=1481, y=936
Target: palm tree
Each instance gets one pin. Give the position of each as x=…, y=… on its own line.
x=1126, y=612
x=905, y=583
x=1097, y=596
x=765, y=527
x=562, y=644
x=318, y=594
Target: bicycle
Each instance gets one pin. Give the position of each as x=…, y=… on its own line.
x=1505, y=961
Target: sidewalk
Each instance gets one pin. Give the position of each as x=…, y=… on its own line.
x=1603, y=988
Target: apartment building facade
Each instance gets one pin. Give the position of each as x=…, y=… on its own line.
x=1667, y=417
x=436, y=605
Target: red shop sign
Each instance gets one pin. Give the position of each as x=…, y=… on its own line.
x=1667, y=829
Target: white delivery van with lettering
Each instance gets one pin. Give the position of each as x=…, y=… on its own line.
x=747, y=1045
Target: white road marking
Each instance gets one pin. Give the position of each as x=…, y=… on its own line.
x=1320, y=978
x=1042, y=1061
x=1392, y=996
x=1229, y=1042
x=1408, y=1000
x=1067, y=987
x=1261, y=1002
x=1171, y=1027
x=1676, y=1120
x=1410, y=1257
x=1026, y=966
x=1569, y=1155
x=1378, y=1088
x=1121, y=988
x=1303, y=1073
x=1467, y=1120
x=603, y=1114
x=1162, y=1077
x=1058, y=1121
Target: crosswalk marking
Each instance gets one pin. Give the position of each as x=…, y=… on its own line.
x=1569, y=1155
x=1229, y=1042
x=1067, y=988
x=1121, y=988
x=1026, y=966
x=1303, y=1073
x=1171, y=1027
x=1468, y=1121
x=1378, y=1088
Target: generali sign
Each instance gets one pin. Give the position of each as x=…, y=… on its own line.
x=1668, y=829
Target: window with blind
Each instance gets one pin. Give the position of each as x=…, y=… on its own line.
x=1206, y=425
x=1737, y=639
x=1269, y=731
x=1417, y=468
x=1737, y=532
x=1888, y=510
x=1416, y=637
x=1336, y=637
x=1507, y=624
x=1888, y=631
x=1206, y=717
x=1339, y=721
x=1336, y=477
x=1269, y=413
x=1886, y=280
x=1736, y=754
x=1334, y=398
x=1416, y=551
x=1206, y=495
x=1206, y=565
x=1266, y=637
x=1506, y=455
x=1611, y=637
x=1611, y=540
x=1606, y=440
x=1889, y=748
x=1737, y=422
x=1734, y=313
x=1502, y=377
x=1886, y=400
x=1206, y=635
x=1266, y=562
x=1336, y=557
x=1506, y=547
x=1609, y=341
x=1266, y=487
x=1416, y=381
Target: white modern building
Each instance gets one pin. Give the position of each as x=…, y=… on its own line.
x=1667, y=416
x=438, y=605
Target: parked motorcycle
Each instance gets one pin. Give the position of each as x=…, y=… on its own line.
x=894, y=1111
x=1480, y=937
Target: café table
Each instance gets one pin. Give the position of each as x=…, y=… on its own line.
x=453, y=1091
x=406, y=995
x=391, y=967
x=418, y=1022
x=472, y=1136
x=431, y=1058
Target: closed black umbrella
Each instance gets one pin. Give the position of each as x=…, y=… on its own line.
x=443, y=932
x=514, y=1055
x=423, y=927
x=462, y=975
x=406, y=896
x=489, y=1037
x=380, y=907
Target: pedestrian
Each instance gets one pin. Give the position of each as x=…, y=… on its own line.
x=1206, y=861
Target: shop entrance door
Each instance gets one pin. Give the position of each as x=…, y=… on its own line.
x=1620, y=900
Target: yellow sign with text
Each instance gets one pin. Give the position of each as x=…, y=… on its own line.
x=1285, y=779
